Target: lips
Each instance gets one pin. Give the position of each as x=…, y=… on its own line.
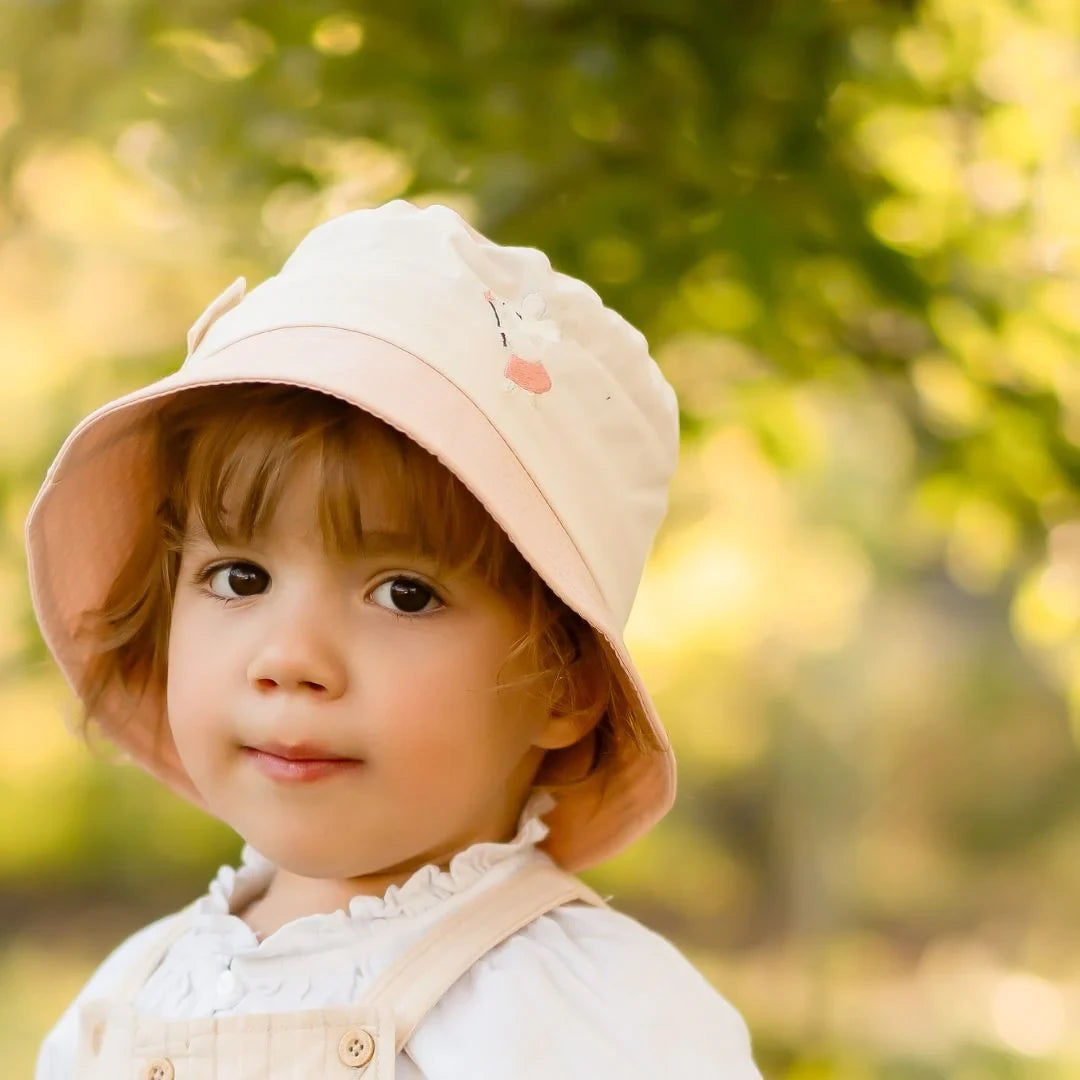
x=299, y=752
x=298, y=762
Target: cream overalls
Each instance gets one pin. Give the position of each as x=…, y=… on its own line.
x=361, y=1040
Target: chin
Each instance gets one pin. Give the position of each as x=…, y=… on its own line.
x=315, y=865
x=322, y=860
x=328, y=858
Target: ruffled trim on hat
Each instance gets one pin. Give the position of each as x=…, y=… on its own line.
x=424, y=889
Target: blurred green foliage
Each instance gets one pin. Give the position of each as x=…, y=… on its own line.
x=850, y=231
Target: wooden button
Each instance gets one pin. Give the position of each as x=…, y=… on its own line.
x=356, y=1048
x=160, y=1069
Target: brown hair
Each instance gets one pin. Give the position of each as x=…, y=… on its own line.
x=226, y=453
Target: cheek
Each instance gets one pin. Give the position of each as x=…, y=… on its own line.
x=200, y=644
x=191, y=680
x=180, y=662
x=443, y=707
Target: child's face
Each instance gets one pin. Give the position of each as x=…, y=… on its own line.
x=278, y=648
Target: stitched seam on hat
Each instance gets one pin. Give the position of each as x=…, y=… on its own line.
x=460, y=390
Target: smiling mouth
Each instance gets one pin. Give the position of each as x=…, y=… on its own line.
x=298, y=763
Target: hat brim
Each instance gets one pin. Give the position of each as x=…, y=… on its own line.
x=81, y=528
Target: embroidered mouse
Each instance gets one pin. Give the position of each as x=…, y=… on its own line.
x=524, y=330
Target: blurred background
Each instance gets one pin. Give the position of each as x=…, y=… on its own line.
x=851, y=232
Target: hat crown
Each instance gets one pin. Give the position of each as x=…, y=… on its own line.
x=567, y=382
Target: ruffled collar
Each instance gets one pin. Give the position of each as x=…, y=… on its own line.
x=234, y=887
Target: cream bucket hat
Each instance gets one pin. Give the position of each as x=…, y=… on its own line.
x=545, y=403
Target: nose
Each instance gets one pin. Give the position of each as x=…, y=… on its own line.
x=298, y=653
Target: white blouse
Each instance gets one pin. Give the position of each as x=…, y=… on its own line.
x=622, y=1000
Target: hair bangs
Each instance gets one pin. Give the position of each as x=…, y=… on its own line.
x=363, y=474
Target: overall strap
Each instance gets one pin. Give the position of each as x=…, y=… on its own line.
x=424, y=972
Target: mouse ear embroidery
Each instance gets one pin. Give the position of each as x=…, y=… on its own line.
x=216, y=308
x=526, y=331
x=533, y=306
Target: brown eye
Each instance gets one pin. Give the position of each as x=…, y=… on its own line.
x=405, y=596
x=239, y=579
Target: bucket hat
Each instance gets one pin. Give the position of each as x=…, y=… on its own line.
x=544, y=403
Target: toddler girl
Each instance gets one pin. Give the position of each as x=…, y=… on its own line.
x=354, y=580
